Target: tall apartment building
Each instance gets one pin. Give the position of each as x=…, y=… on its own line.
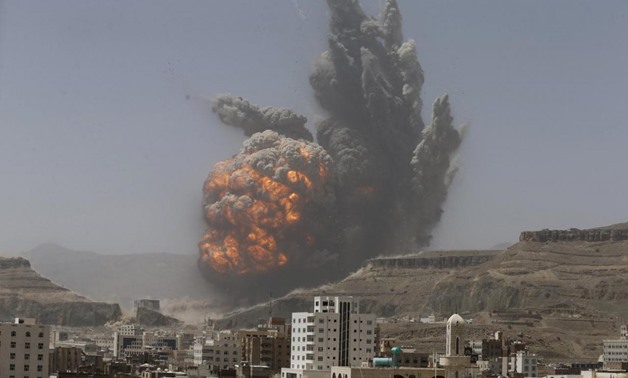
x=335, y=334
x=24, y=349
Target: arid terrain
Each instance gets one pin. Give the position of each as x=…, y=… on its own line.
x=561, y=291
x=563, y=297
x=24, y=293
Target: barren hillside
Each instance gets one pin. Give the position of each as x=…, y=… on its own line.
x=24, y=293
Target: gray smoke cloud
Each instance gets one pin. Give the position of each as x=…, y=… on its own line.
x=238, y=112
x=391, y=171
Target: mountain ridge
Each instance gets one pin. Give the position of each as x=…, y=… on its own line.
x=25, y=293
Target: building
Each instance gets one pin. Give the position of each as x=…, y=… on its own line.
x=24, y=349
x=335, y=334
x=66, y=359
x=222, y=351
x=268, y=345
x=371, y=372
x=455, y=362
x=615, y=351
x=492, y=349
x=524, y=363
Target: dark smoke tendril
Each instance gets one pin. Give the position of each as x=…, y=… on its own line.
x=391, y=172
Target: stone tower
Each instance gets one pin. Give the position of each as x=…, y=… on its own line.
x=455, y=336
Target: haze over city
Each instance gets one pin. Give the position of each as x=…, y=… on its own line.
x=107, y=134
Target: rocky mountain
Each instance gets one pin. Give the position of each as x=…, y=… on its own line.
x=24, y=293
x=566, y=288
x=121, y=278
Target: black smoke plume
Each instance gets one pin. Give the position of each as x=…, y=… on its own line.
x=390, y=171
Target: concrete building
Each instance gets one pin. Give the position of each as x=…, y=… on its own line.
x=24, y=349
x=370, y=372
x=66, y=359
x=122, y=342
x=268, y=345
x=335, y=334
x=524, y=363
x=222, y=351
x=492, y=348
x=615, y=351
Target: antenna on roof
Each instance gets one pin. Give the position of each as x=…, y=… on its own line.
x=270, y=306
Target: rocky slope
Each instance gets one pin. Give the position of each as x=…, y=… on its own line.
x=568, y=289
x=24, y=293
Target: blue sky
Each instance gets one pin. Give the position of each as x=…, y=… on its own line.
x=106, y=135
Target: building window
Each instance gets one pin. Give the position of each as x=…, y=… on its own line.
x=39, y=368
x=12, y=356
x=41, y=334
x=27, y=356
x=27, y=345
x=13, y=333
x=27, y=367
x=40, y=346
x=12, y=344
x=12, y=367
x=28, y=334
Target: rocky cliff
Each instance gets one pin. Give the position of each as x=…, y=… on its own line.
x=24, y=293
x=574, y=234
x=436, y=259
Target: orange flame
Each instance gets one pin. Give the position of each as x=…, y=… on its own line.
x=250, y=212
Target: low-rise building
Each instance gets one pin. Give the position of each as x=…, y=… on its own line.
x=524, y=363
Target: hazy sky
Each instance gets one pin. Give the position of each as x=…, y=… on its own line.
x=106, y=135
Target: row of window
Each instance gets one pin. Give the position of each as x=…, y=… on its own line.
x=27, y=345
x=27, y=356
x=300, y=357
x=26, y=367
x=322, y=321
x=26, y=334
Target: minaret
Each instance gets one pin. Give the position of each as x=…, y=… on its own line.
x=455, y=336
x=454, y=361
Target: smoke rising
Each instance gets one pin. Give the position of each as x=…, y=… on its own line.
x=378, y=174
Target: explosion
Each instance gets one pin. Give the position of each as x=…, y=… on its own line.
x=262, y=203
x=374, y=184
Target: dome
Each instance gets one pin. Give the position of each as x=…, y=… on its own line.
x=455, y=319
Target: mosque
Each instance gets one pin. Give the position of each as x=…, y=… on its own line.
x=454, y=364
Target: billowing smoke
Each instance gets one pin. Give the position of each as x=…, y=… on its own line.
x=374, y=184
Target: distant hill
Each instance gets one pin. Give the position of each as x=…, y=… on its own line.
x=565, y=294
x=24, y=293
x=121, y=278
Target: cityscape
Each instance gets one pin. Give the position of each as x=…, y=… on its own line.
x=333, y=339
x=400, y=189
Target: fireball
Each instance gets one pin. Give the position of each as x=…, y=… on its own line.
x=263, y=205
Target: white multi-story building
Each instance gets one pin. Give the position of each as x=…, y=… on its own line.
x=525, y=363
x=615, y=350
x=24, y=349
x=335, y=334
